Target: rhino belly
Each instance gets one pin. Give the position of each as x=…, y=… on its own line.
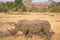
x=35, y=28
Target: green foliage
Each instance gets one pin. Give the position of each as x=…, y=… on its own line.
x=43, y=10
x=18, y=3
x=58, y=3
x=32, y=9
x=13, y=10
x=2, y=7
x=20, y=10
x=9, y=5
x=18, y=6
x=54, y=8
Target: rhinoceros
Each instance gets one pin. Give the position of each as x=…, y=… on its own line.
x=31, y=26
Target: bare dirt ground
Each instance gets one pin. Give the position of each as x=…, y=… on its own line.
x=53, y=18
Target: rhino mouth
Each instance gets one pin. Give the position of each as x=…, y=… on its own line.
x=12, y=32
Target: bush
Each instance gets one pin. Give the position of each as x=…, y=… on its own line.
x=20, y=10
x=54, y=9
x=13, y=10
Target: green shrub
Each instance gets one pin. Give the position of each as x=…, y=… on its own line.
x=20, y=10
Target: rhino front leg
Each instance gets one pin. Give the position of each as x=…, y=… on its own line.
x=27, y=34
x=13, y=31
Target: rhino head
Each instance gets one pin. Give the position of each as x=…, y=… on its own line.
x=13, y=31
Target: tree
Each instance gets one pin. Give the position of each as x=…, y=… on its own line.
x=55, y=7
x=9, y=5
x=2, y=7
x=18, y=3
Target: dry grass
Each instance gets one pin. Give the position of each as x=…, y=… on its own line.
x=54, y=20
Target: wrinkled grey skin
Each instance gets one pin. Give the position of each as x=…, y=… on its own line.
x=31, y=26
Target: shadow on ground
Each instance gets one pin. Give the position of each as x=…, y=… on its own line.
x=4, y=34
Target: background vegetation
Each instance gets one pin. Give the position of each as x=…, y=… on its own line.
x=27, y=6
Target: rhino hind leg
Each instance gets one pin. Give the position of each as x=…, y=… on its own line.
x=46, y=28
x=46, y=31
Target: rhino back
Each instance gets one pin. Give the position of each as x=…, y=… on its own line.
x=31, y=25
